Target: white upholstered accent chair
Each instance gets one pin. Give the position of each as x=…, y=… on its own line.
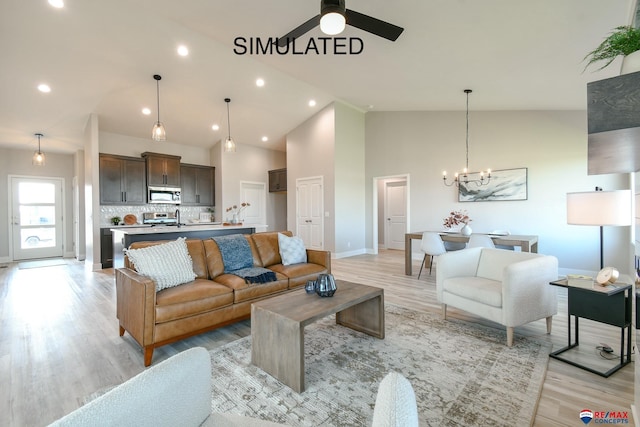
x=480, y=241
x=507, y=287
x=177, y=392
x=432, y=246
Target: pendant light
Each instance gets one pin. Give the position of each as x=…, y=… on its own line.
x=229, y=145
x=463, y=176
x=38, y=156
x=158, y=133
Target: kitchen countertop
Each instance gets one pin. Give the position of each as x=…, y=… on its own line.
x=146, y=229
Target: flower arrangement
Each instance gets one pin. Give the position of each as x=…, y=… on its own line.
x=457, y=218
x=235, y=210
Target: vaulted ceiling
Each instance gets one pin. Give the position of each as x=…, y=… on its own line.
x=100, y=57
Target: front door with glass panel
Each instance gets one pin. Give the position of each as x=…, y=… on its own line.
x=36, y=217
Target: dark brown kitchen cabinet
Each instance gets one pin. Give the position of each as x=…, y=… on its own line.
x=278, y=180
x=163, y=170
x=197, y=185
x=122, y=180
x=106, y=247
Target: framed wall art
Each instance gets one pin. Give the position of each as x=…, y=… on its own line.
x=505, y=185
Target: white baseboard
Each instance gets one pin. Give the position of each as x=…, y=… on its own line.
x=348, y=254
x=5, y=259
x=634, y=414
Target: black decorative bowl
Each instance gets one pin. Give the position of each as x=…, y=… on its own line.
x=326, y=285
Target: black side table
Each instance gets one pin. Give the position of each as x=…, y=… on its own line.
x=606, y=304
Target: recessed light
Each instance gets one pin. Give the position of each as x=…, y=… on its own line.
x=146, y=111
x=57, y=3
x=260, y=82
x=312, y=103
x=44, y=88
x=183, y=50
x=265, y=139
x=215, y=127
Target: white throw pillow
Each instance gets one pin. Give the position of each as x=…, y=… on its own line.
x=168, y=264
x=292, y=250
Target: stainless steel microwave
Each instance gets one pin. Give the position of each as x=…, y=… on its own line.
x=167, y=195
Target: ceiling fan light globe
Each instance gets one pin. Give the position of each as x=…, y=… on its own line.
x=332, y=23
x=158, y=133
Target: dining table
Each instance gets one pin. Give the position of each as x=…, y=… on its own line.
x=526, y=243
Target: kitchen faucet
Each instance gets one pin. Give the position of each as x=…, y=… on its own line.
x=178, y=216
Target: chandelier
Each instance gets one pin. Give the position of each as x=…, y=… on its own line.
x=463, y=176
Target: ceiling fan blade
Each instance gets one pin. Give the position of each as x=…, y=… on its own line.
x=299, y=31
x=373, y=25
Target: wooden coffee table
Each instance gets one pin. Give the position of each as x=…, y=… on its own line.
x=277, y=325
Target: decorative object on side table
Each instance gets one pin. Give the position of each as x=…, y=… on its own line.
x=235, y=212
x=325, y=285
x=457, y=218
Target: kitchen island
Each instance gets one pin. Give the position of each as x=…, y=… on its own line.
x=124, y=236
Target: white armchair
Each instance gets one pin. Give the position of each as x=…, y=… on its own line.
x=510, y=288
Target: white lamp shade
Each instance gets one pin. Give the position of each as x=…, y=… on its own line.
x=332, y=23
x=599, y=208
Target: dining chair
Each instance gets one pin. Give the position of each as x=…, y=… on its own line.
x=480, y=241
x=431, y=245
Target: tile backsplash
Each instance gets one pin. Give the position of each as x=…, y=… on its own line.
x=187, y=213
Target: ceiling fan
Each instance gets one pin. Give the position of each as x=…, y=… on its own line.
x=333, y=17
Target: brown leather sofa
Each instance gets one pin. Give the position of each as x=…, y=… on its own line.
x=213, y=299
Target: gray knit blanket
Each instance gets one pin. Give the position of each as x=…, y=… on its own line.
x=238, y=260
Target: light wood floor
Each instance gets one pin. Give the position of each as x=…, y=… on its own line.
x=59, y=341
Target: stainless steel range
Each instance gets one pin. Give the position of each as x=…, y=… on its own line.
x=159, y=218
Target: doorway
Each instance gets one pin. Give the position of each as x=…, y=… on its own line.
x=395, y=213
x=309, y=211
x=254, y=193
x=36, y=217
x=391, y=213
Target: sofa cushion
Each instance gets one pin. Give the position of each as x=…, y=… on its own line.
x=266, y=245
x=298, y=274
x=485, y=291
x=167, y=264
x=245, y=292
x=493, y=261
x=192, y=298
x=292, y=250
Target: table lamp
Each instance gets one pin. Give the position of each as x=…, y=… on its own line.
x=599, y=208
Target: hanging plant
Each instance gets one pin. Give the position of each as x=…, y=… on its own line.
x=622, y=41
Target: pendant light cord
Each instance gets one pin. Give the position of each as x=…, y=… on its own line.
x=158, y=97
x=228, y=117
x=467, y=91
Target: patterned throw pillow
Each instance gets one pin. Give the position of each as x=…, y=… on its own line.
x=168, y=264
x=292, y=250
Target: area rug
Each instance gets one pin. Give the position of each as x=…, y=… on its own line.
x=463, y=374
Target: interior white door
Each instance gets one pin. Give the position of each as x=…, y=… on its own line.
x=254, y=193
x=309, y=211
x=395, y=209
x=36, y=217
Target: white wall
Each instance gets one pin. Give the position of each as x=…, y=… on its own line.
x=310, y=153
x=250, y=163
x=551, y=144
x=349, y=181
x=18, y=162
x=113, y=143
